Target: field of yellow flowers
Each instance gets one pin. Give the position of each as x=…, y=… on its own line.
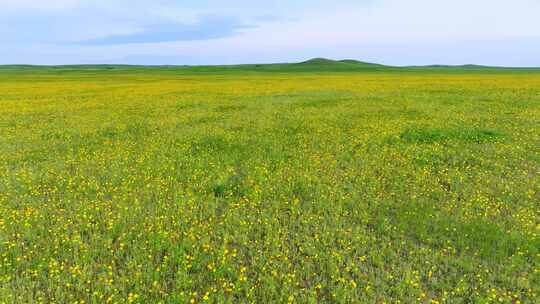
x=164, y=186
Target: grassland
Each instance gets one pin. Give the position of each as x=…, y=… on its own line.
x=307, y=183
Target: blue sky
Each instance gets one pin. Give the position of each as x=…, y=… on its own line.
x=398, y=32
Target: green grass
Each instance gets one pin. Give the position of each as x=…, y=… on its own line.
x=431, y=135
x=318, y=182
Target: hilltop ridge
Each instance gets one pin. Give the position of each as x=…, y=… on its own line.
x=318, y=64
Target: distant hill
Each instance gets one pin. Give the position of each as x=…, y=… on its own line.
x=463, y=66
x=344, y=64
x=311, y=65
x=318, y=61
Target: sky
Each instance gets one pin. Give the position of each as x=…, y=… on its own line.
x=194, y=32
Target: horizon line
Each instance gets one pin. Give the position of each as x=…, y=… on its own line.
x=328, y=61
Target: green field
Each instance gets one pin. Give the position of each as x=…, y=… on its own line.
x=318, y=182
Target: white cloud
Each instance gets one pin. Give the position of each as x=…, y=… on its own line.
x=419, y=19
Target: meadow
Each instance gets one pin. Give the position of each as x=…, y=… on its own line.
x=267, y=185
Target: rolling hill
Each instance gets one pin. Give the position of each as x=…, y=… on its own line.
x=311, y=65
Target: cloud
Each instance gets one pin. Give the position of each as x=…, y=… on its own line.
x=205, y=28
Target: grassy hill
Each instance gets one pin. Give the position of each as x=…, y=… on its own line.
x=312, y=65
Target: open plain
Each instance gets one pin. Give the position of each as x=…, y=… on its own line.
x=316, y=182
